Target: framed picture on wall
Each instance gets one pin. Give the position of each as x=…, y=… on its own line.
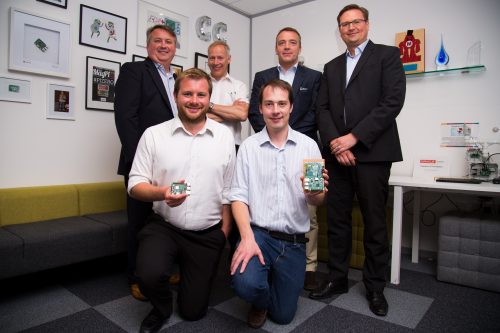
x=201, y=61
x=60, y=102
x=38, y=44
x=100, y=84
x=58, y=3
x=177, y=68
x=136, y=57
x=103, y=30
x=149, y=15
x=15, y=90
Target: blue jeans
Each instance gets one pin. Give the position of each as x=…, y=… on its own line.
x=276, y=286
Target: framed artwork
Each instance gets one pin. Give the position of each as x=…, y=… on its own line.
x=149, y=15
x=15, y=90
x=103, y=30
x=100, y=84
x=60, y=102
x=136, y=57
x=38, y=44
x=201, y=61
x=177, y=68
x=58, y=3
x=411, y=44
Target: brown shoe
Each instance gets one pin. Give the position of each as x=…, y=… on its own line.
x=256, y=318
x=310, y=282
x=136, y=292
x=174, y=278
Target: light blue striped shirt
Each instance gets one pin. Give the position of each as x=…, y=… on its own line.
x=267, y=179
x=169, y=82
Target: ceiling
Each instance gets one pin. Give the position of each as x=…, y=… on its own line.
x=252, y=8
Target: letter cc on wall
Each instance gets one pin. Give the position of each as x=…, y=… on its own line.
x=203, y=24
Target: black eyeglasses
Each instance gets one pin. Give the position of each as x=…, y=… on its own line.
x=355, y=23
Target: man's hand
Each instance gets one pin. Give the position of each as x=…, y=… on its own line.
x=346, y=158
x=342, y=144
x=174, y=200
x=246, y=250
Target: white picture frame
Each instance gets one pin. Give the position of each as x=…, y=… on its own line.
x=60, y=101
x=100, y=84
x=38, y=44
x=15, y=90
x=149, y=15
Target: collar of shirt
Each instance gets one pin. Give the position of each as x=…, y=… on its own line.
x=163, y=70
x=358, y=50
x=208, y=128
x=293, y=69
x=263, y=137
x=224, y=78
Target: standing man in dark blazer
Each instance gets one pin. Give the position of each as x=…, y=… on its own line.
x=305, y=84
x=143, y=98
x=362, y=92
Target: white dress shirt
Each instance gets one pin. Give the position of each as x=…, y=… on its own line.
x=168, y=153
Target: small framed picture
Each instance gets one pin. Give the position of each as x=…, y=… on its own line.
x=103, y=30
x=201, y=61
x=38, y=44
x=58, y=3
x=15, y=90
x=60, y=102
x=177, y=69
x=136, y=57
x=100, y=85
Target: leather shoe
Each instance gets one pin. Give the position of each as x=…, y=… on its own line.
x=136, y=292
x=310, y=281
x=327, y=289
x=378, y=303
x=256, y=318
x=153, y=322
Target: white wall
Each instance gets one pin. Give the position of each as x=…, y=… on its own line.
x=39, y=151
x=429, y=101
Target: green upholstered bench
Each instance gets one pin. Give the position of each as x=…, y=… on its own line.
x=50, y=226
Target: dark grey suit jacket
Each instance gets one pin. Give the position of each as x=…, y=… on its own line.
x=305, y=90
x=372, y=100
x=141, y=101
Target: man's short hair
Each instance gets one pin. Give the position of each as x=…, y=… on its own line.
x=277, y=83
x=350, y=7
x=193, y=74
x=290, y=29
x=221, y=43
x=163, y=27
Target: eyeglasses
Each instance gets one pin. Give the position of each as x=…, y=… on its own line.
x=355, y=23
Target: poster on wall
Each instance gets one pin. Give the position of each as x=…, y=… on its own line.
x=60, y=102
x=149, y=15
x=100, y=87
x=411, y=46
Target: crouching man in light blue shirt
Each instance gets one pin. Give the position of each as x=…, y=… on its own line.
x=269, y=205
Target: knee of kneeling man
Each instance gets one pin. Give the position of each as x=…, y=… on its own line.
x=192, y=315
x=282, y=318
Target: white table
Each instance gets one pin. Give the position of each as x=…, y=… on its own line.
x=403, y=184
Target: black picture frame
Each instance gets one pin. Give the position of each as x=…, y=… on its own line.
x=100, y=81
x=57, y=3
x=201, y=61
x=136, y=57
x=177, y=68
x=102, y=30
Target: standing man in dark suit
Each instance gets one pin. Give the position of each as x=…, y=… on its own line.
x=305, y=84
x=143, y=98
x=362, y=92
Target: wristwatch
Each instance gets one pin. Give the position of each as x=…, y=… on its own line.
x=211, y=107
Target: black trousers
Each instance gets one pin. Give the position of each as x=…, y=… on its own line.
x=137, y=213
x=370, y=183
x=197, y=253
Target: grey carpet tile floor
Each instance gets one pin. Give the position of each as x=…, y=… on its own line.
x=94, y=297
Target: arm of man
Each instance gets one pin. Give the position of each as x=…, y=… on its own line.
x=127, y=100
x=254, y=115
x=149, y=193
x=238, y=111
x=247, y=247
x=327, y=129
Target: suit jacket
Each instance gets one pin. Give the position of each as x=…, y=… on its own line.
x=141, y=101
x=305, y=90
x=372, y=100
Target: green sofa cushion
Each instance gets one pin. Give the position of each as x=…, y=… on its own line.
x=101, y=197
x=40, y=203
